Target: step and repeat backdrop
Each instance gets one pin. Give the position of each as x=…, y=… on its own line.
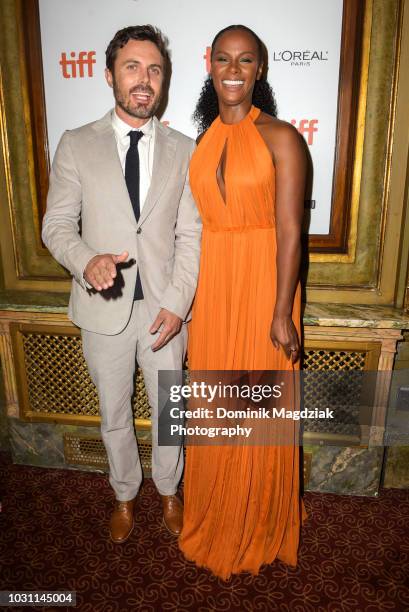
x=303, y=41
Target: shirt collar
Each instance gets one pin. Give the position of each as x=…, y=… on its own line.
x=122, y=129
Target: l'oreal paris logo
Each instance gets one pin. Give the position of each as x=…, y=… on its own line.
x=300, y=58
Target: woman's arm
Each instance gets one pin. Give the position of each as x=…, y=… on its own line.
x=290, y=167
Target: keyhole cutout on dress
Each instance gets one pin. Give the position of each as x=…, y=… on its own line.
x=221, y=173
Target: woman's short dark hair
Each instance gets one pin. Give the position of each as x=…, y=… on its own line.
x=262, y=51
x=207, y=107
x=143, y=32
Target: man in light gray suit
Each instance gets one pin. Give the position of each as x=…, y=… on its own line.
x=124, y=181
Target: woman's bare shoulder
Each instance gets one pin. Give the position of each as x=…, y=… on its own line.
x=281, y=137
x=276, y=127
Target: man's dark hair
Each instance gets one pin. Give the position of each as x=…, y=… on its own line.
x=143, y=32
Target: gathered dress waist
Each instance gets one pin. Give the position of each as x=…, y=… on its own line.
x=237, y=228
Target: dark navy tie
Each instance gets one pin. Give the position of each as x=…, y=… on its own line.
x=132, y=176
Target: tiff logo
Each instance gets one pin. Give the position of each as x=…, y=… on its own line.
x=69, y=66
x=306, y=127
x=207, y=58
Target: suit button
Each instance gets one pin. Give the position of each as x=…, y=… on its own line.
x=139, y=230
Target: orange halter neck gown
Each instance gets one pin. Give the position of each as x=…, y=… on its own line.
x=242, y=504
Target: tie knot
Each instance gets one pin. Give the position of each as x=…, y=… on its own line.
x=135, y=136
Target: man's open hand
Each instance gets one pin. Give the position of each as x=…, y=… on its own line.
x=101, y=270
x=171, y=325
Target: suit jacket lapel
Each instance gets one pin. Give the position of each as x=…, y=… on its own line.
x=109, y=164
x=163, y=160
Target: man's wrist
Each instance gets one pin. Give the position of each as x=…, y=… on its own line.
x=171, y=312
x=86, y=283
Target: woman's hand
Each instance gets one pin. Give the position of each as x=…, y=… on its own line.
x=283, y=333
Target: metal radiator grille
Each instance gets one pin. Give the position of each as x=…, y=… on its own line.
x=328, y=359
x=90, y=451
x=58, y=385
x=338, y=390
x=84, y=450
x=57, y=378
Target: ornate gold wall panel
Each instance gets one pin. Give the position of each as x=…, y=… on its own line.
x=367, y=274
x=401, y=137
x=381, y=251
x=26, y=263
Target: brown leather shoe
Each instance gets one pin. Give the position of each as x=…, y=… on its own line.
x=122, y=522
x=172, y=513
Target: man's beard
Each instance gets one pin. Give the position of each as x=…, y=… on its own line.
x=139, y=111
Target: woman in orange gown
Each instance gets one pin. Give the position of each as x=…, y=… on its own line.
x=242, y=503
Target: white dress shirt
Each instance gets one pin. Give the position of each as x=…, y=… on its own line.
x=145, y=150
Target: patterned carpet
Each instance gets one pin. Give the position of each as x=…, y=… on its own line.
x=53, y=536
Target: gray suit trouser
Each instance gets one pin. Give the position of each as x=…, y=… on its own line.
x=111, y=362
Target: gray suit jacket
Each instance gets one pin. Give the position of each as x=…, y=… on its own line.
x=89, y=212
